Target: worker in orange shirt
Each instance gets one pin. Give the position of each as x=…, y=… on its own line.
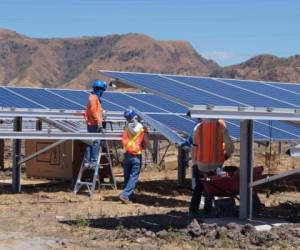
x=211, y=146
x=94, y=120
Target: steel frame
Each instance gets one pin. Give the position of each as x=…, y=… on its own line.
x=247, y=115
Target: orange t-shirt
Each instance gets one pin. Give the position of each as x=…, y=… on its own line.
x=93, y=112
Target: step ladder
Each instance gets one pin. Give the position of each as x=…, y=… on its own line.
x=90, y=184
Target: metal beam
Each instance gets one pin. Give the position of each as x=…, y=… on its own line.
x=275, y=177
x=246, y=169
x=54, y=113
x=63, y=127
x=41, y=151
x=248, y=113
x=181, y=170
x=16, y=167
x=2, y=146
x=61, y=136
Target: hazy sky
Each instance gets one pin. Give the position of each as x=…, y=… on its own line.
x=227, y=31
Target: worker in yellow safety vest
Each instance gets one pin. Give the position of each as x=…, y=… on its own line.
x=134, y=140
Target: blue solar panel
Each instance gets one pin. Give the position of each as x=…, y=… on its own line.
x=126, y=101
x=287, y=99
x=295, y=88
x=157, y=107
x=178, y=123
x=81, y=97
x=10, y=100
x=225, y=92
x=162, y=103
x=46, y=99
x=167, y=87
x=204, y=91
x=235, y=92
x=77, y=96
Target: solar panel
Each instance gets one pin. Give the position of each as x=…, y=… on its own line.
x=126, y=101
x=9, y=99
x=163, y=86
x=241, y=92
x=165, y=111
x=162, y=103
x=295, y=88
x=194, y=90
x=77, y=96
x=46, y=99
x=288, y=99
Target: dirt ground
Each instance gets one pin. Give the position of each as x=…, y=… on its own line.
x=51, y=216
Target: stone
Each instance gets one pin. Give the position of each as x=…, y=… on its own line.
x=162, y=234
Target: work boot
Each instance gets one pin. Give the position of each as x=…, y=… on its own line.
x=93, y=165
x=124, y=199
x=193, y=227
x=86, y=164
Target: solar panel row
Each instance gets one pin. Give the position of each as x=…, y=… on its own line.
x=194, y=90
x=167, y=112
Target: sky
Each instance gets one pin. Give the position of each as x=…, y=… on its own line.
x=226, y=31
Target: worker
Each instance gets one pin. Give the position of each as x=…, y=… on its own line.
x=211, y=146
x=134, y=140
x=94, y=120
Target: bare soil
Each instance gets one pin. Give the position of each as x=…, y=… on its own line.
x=49, y=216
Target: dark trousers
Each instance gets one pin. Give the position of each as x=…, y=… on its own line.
x=198, y=190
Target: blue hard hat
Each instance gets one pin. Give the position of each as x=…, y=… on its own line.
x=99, y=85
x=129, y=114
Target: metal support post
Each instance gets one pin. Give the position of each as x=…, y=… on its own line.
x=279, y=148
x=16, y=167
x=181, y=166
x=38, y=125
x=156, y=146
x=2, y=154
x=246, y=169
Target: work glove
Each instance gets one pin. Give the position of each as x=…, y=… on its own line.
x=104, y=124
x=100, y=129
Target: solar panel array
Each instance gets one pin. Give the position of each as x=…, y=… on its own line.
x=194, y=90
x=165, y=111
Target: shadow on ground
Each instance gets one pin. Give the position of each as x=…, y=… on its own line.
x=165, y=187
x=152, y=222
x=149, y=200
x=289, y=211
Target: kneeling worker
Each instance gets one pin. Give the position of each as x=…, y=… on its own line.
x=134, y=140
x=211, y=146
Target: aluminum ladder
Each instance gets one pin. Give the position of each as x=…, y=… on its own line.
x=91, y=185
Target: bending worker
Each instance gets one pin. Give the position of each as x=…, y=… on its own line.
x=211, y=146
x=94, y=119
x=134, y=140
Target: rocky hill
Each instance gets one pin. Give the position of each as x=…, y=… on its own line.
x=264, y=67
x=73, y=62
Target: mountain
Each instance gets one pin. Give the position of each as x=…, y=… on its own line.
x=73, y=62
x=264, y=67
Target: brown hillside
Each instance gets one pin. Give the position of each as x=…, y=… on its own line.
x=264, y=67
x=74, y=62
